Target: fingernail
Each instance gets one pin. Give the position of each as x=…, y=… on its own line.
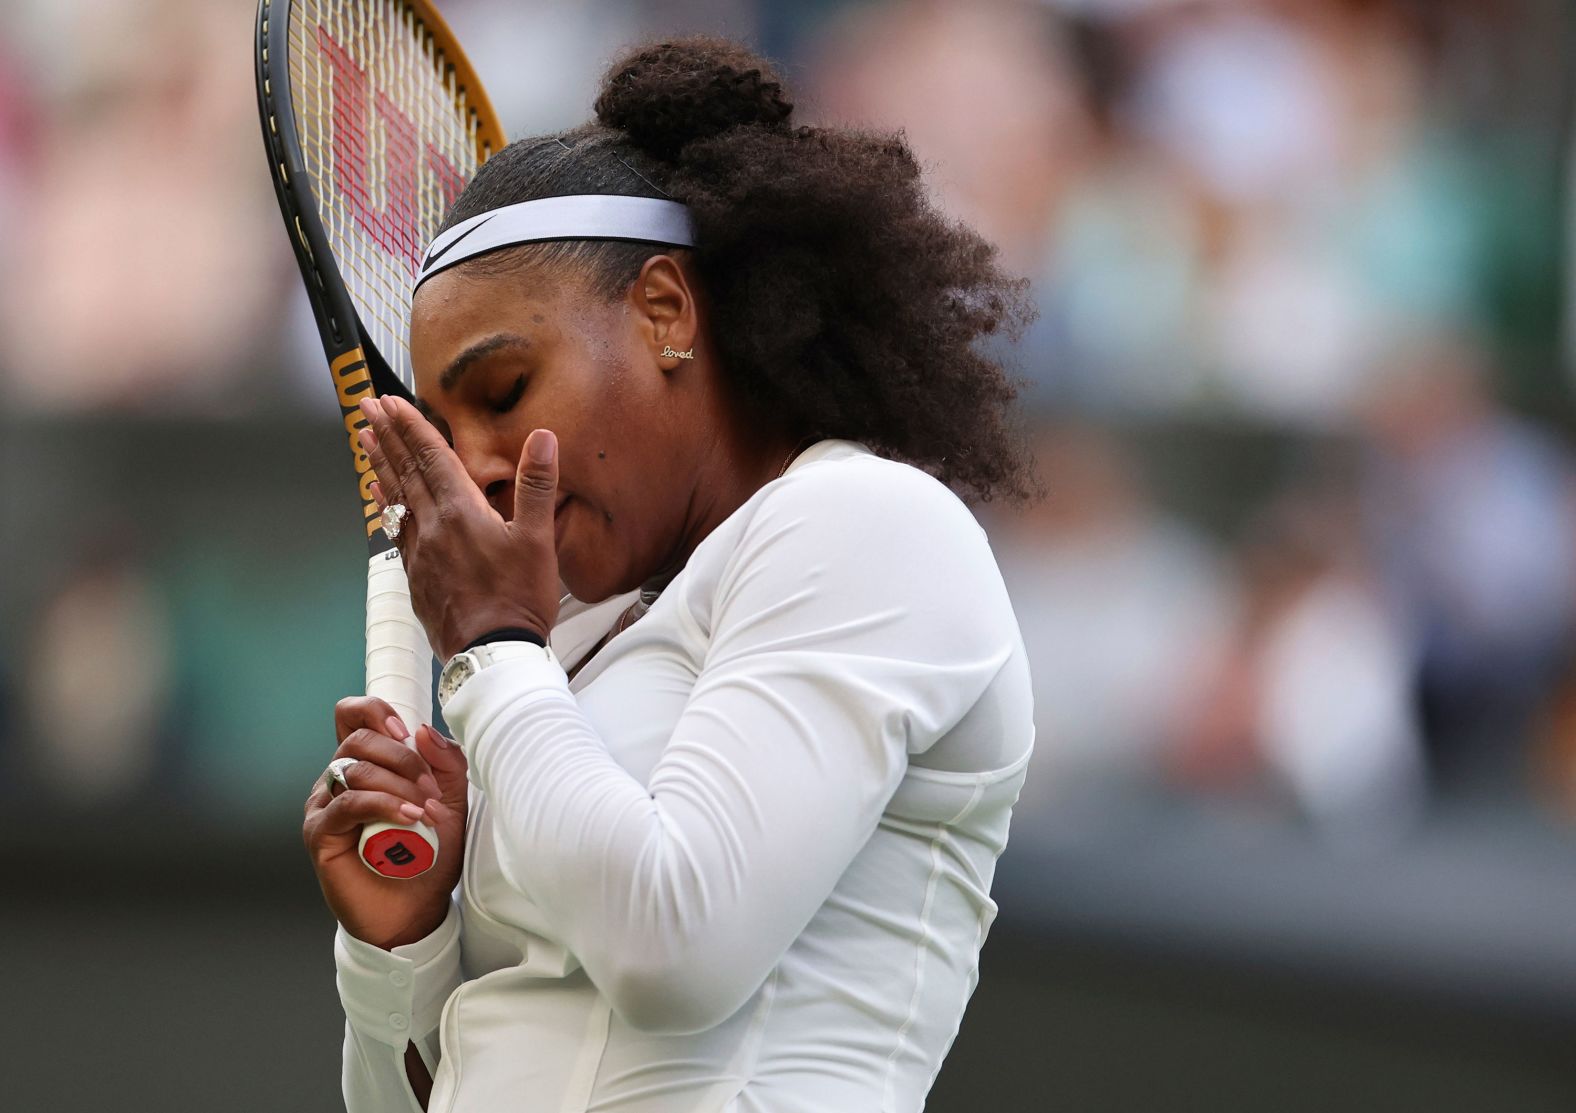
x=411, y=812
x=437, y=736
x=396, y=728
x=367, y=439
x=543, y=446
x=366, y=406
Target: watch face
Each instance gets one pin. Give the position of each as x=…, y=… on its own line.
x=455, y=673
x=463, y=666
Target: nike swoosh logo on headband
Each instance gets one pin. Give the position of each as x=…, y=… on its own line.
x=434, y=256
x=590, y=216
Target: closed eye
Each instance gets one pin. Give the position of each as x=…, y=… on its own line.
x=511, y=396
x=437, y=422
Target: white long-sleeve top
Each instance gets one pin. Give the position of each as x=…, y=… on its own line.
x=741, y=862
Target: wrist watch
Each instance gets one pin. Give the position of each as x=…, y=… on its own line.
x=467, y=663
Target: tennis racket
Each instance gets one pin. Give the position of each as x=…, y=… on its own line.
x=374, y=121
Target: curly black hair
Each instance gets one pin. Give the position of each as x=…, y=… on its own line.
x=843, y=304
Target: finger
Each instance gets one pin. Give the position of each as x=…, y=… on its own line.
x=392, y=463
x=367, y=437
x=440, y=468
x=447, y=762
x=439, y=814
x=319, y=797
x=536, y=483
x=350, y=810
x=380, y=749
x=366, y=775
x=355, y=712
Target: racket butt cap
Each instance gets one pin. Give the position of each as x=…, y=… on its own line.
x=399, y=852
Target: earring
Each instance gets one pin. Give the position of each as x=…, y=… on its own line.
x=669, y=353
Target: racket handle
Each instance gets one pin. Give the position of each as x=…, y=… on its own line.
x=399, y=672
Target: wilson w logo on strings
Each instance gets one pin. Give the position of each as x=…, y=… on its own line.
x=379, y=160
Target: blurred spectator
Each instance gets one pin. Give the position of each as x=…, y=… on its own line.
x=97, y=686
x=1120, y=606
x=997, y=119
x=992, y=104
x=145, y=260
x=1310, y=209
x=1471, y=509
x=1312, y=697
x=1191, y=185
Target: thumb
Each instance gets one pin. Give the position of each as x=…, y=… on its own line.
x=536, y=484
x=447, y=762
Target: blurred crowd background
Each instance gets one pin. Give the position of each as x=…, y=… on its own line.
x=1300, y=604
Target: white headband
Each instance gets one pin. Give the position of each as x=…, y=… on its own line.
x=595, y=216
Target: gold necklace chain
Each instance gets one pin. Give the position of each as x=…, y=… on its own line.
x=793, y=454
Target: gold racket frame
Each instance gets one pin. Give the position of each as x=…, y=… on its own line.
x=489, y=132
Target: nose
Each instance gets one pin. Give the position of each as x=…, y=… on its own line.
x=490, y=470
x=500, y=495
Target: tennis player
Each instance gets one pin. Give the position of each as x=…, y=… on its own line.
x=718, y=826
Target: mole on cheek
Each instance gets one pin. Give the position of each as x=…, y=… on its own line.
x=601, y=455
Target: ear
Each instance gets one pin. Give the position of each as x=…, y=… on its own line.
x=666, y=309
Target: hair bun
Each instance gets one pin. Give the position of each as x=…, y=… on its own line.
x=668, y=94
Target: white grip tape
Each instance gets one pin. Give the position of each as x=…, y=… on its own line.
x=399, y=662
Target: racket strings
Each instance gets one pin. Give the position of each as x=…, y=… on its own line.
x=388, y=141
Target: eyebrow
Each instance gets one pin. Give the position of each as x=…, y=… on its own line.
x=476, y=351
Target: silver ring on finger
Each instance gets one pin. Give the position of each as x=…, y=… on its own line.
x=335, y=773
x=393, y=517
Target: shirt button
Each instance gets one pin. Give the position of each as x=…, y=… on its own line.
x=398, y=1022
x=399, y=977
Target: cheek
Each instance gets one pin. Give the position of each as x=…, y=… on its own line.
x=614, y=430
x=593, y=558
x=620, y=455
x=611, y=539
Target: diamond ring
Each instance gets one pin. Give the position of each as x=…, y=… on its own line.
x=394, y=515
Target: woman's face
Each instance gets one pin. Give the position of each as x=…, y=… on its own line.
x=496, y=356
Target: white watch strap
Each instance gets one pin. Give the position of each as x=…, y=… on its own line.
x=493, y=652
x=467, y=663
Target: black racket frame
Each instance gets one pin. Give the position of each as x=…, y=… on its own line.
x=354, y=362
